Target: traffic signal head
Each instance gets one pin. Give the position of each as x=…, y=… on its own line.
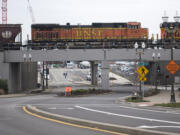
x=158, y=69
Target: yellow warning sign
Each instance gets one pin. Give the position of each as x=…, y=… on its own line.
x=142, y=71
x=142, y=78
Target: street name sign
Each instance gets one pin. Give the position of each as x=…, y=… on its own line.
x=143, y=63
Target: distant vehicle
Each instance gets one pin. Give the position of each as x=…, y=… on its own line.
x=88, y=77
x=99, y=73
x=124, y=63
x=70, y=65
x=84, y=64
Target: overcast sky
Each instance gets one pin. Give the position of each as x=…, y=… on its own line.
x=148, y=12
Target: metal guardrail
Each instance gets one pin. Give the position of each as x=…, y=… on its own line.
x=85, y=45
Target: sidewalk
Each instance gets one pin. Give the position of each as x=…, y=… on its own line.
x=163, y=97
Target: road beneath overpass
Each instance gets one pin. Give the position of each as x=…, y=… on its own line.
x=101, y=108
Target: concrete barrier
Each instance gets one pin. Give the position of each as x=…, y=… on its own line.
x=94, y=124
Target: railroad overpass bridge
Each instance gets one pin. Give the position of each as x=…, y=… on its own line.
x=19, y=65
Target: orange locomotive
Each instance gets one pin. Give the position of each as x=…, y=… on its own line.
x=96, y=32
x=170, y=31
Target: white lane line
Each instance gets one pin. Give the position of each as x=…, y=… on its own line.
x=144, y=126
x=170, y=112
x=55, y=108
x=127, y=116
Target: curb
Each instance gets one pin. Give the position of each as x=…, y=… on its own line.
x=14, y=95
x=94, y=124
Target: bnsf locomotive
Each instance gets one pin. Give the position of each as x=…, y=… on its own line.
x=131, y=31
x=170, y=31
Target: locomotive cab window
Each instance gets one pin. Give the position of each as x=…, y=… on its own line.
x=133, y=26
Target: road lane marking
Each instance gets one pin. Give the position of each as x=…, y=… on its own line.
x=55, y=108
x=144, y=126
x=127, y=116
x=70, y=124
x=148, y=110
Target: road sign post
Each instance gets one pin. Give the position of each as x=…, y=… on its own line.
x=140, y=52
x=172, y=67
x=142, y=71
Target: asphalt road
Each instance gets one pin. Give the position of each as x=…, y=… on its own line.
x=102, y=108
x=106, y=109
x=14, y=121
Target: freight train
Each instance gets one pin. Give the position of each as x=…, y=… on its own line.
x=131, y=31
x=121, y=33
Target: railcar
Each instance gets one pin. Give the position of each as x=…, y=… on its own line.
x=97, y=32
x=10, y=33
x=10, y=36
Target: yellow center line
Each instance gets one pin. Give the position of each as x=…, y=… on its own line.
x=70, y=124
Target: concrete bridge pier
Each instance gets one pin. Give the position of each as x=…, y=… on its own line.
x=29, y=76
x=94, y=73
x=15, y=78
x=105, y=75
x=20, y=76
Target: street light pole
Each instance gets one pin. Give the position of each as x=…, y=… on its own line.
x=176, y=18
x=46, y=76
x=172, y=29
x=173, y=100
x=140, y=52
x=157, y=67
x=43, y=87
x=140, y=86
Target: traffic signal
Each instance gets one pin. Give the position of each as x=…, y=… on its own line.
x=158, y=69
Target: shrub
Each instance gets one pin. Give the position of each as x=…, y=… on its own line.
x=136, y=100
x=79, y=92
x=4, y=85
